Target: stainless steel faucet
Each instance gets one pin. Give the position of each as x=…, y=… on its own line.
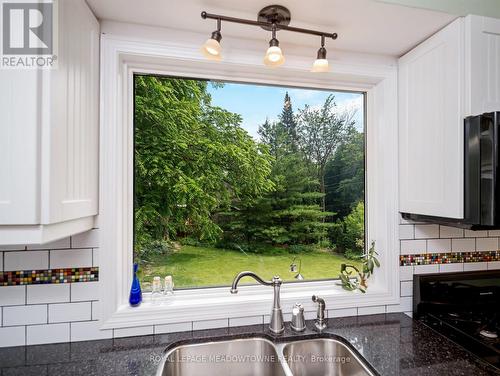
x=276, y=325
x=320, y=322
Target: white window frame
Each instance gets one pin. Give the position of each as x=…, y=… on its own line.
x=121, y=58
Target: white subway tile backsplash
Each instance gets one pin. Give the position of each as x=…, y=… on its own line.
x=174, y=328
x=426, y=231
x=371, y=310
x=96, y=310
x=250, y=320
x=406, y=273
x=438, y=245
x=89, y=239
x=12, y=336
x=95, y=257
x=493, y=265
x=26, y=260
x=210, y=324
x=494, y=233
x=405, y=305
x=71, y=258
x=88, y=330
x=50, y=293
x=409, y=247
x=406, y=288
x=472, y=266
x=425, y=269
x=12, y=295
x=24, y=315
x=6, y=247
x=53, y=333
x=450, y=232
x=451, y=268
x=463, y=245
x=406, y=232
x=131, y=332
x=486, y=244
x=66, y=312
x=475, y=234
x=61, y=243
x=342, y=312
x=83, y=291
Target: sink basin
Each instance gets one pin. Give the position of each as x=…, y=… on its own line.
x=323, y=357
x=258, y=356
x=254, y=356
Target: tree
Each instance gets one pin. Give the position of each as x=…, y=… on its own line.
x=345, y=175
x=191, y=160
x=349, y=234
x=288, y=123
x=321, y=130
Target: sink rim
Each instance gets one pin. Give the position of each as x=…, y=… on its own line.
x=277, y=342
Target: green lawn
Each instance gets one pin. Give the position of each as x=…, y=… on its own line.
x=202, y=266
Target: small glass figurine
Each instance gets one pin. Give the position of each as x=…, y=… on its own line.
x=135, y=291
x=156, y=293
x=169, y=285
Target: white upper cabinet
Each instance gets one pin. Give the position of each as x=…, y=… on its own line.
x=49, y=137
x=482, y=65
x=431, y=113
x=452, y=75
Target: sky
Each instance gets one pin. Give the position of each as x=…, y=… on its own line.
x=256, y=102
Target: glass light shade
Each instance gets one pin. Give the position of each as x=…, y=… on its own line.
x=320, y=65
x=274, y=57
x=211, y=49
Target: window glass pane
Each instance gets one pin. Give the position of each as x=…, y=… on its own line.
x=232, y=177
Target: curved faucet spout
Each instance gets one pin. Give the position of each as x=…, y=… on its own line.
x=234, y=286
x=276, y=325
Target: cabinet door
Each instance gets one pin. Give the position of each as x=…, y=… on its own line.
x=69, y=186
x=19, y=146
x=431, y=80
x=483, y=63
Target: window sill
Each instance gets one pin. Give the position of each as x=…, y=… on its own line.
x=218, y=303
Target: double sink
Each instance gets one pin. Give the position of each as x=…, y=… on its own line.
x=259, y=356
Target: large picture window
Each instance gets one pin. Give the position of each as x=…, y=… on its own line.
x=231, y=177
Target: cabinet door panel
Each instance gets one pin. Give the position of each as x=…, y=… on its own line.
x=70, y=175
x=483, y=55
x=19, y=143
x=431, y=125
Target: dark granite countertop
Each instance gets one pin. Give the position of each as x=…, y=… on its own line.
x=393, y=344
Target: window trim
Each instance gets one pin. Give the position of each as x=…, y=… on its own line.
x=121, y=58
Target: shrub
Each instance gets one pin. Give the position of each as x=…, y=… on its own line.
x=349, y=234
x=155, y=248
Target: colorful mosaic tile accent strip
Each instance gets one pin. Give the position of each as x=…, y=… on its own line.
x=448, y=258
x=38, y=277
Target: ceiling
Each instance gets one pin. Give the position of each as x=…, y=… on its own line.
x=366, y=26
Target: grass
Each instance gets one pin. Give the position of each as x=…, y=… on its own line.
x=203, y=266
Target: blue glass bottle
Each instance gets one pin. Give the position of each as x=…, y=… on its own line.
x=135, y=291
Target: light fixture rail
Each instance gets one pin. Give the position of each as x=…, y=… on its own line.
x=268, y=25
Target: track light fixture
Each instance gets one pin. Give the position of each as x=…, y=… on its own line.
x=211, y=49
x=274, y=56
x=272, y=18
x=321, y=64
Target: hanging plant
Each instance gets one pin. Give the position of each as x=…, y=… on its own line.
x=352, y=278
